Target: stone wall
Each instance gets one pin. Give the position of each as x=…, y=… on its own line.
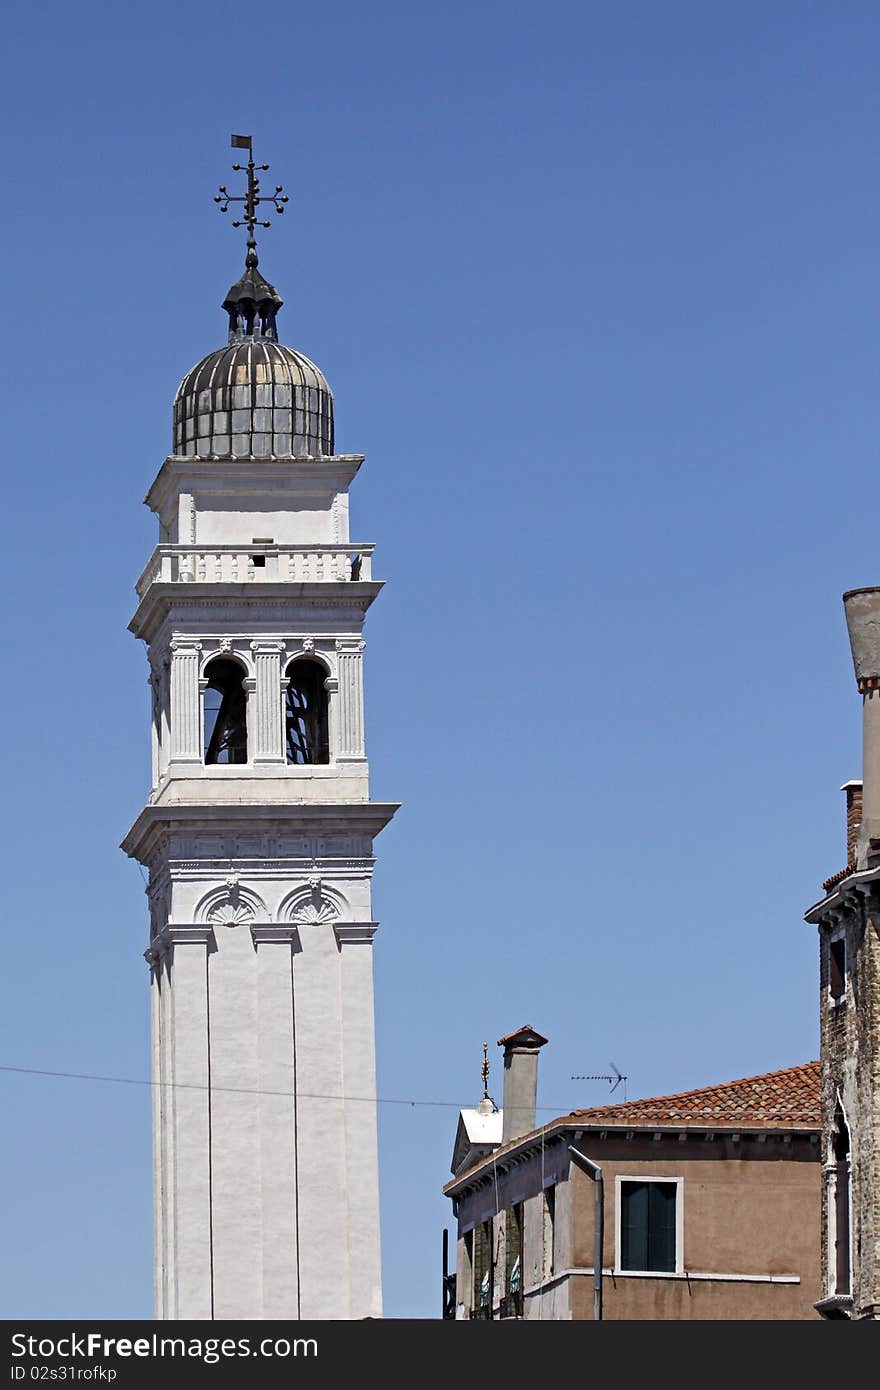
x=850, y=1050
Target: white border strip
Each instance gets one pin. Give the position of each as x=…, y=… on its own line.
x=701, y=1276
x=678, y=1183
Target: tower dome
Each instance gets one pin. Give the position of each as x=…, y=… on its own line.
x=254, y=398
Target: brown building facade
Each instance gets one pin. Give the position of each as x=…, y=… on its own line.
x=706, y=1205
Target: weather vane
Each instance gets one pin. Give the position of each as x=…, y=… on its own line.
x=253, y=198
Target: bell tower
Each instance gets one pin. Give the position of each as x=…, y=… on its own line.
x=258, y=838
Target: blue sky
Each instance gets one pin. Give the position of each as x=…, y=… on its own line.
x=595, y=289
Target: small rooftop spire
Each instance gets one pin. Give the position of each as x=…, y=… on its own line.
x=487, y=1105
x=252, y=302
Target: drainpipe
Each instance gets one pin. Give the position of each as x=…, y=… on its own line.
x=593, y=1171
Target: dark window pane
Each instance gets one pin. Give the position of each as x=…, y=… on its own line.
x=634, y=1225
x=661, y=1226
x=225, y=713
x=837, y=968
x=514, y=1252
x=483, y=1273
x=305, y=713
x=647, y=1211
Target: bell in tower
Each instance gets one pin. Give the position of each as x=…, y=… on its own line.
x=258, y=839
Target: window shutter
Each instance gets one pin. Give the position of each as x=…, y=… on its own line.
x=648, y=1226
x=661, y=1226
x=634, y=1223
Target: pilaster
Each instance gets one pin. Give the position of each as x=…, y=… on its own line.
x=155, y=722
x=186, y=1121
x=355, y=943
x=236, y=1081
x=264, y=707
x=164, y=715
x=276, y=946
x=323, y=1197
x=351, y=698
x=186, y=723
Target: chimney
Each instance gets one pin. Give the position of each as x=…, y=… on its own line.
x=520, y=1081
x=862, y=607
x=853, y=818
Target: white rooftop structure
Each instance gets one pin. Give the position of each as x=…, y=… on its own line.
x=478, y=1133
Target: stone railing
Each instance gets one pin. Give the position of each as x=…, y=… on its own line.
x=234, y=564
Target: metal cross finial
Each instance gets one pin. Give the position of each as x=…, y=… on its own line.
x=253, y=197
x=485, y=1071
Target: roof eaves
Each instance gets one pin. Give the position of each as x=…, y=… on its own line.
x=556, y=1128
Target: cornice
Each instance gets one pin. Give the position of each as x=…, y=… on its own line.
x=355, y=933
x=178, y=473
x=318, y=818
x=862, y=881
x=284, y=933
x=178, y=934
x=273, y=599
x=519, y=1150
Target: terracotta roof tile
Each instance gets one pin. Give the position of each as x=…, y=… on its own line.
x=526, y=1036
x=787, y=1099
x=778, y=1099
x=841, y=874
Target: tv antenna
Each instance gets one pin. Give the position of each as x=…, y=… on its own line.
x=617, y=1078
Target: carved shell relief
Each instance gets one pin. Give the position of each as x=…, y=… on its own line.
x=230, y=914
x=231, y=906
x=313, y=904
x=315, y=911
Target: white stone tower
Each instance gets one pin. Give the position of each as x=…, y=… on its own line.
x=258, y=838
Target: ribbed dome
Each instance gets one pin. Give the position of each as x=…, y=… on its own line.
x=254, y=398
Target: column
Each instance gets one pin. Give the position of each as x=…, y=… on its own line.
x=350, y=724
x=331, y=685
x=264, y=704
x=186, y=723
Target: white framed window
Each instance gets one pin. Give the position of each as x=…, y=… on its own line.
x=648, y=1225
x=838, y=1179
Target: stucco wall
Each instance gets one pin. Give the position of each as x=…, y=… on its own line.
x=678, y=1300
x=749, y=1208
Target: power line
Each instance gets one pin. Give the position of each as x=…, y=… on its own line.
x=242, y=1090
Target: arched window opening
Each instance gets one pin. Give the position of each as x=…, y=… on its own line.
x=842, y=1203
x=225, y=713
x=306, y=728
